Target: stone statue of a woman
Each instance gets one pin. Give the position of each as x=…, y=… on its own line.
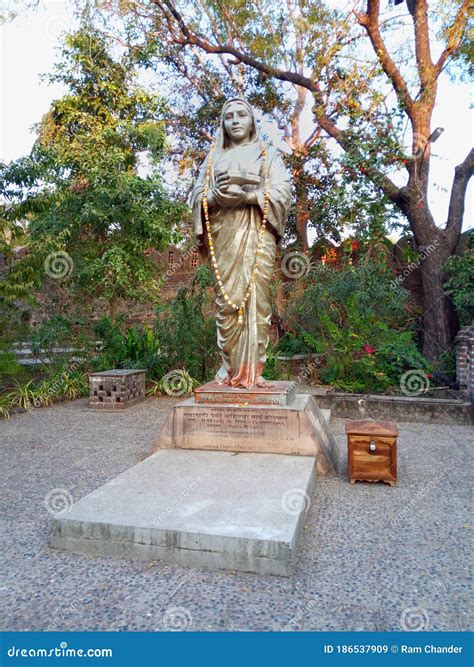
x=241, y=185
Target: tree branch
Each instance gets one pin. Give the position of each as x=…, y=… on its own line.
x=422, y=45
x=455, y=31
x=185, y=37
x=462, y=175
x=370, y=21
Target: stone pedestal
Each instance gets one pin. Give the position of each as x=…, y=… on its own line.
x=280, y=393
x=300, y=428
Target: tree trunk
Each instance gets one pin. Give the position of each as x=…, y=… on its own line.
x=301, y=205
x=302, y=219
x=437, y=309
x=434, y=246
x=113, y=307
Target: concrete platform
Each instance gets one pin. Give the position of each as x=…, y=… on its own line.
x=300, y=429
x=207, y=509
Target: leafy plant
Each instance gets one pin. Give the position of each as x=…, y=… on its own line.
x=359, y=322
x=186, y=329
x=135, y=347
x=273, y=369
x=22, y=395
x=10, y=368
x=4, y=408
x=460, y=283
x=72, y=385
x=43, y=394
x=291, y=344
x=176, y=383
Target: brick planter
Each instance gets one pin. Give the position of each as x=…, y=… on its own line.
x=116, y=389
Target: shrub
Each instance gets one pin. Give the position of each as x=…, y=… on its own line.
x=10, y=368
x=359, y=321
x=135, y=347
x=186, y=329
x=460, y=284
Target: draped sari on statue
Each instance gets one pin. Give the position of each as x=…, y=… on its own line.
x=235, y=235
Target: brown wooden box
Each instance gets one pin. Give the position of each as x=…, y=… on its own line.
x=372, y=450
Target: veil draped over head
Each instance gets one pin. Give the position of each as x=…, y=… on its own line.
x=222, y=140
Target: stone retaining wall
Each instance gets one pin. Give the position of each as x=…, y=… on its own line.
x=395, y=408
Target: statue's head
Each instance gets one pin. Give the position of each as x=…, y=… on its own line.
x=238, y=121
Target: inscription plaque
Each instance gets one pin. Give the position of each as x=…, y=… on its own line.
x=231, y=424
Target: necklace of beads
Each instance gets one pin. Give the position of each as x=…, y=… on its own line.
x=241, y=306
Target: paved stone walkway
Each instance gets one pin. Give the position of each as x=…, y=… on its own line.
x=372, y=558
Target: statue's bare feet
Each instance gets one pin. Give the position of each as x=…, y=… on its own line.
x=222, y=376
x=261, y=382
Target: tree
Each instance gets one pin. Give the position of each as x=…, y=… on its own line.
x=91, y=216
x=197, y=85
x=244, y=36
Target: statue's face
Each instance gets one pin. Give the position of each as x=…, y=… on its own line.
x=237, y=122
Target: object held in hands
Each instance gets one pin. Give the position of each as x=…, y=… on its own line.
x=243, y=178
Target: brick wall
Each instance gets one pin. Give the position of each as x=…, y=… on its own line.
x=465, y=359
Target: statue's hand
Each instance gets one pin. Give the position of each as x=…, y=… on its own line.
x=231, y=196
x=222, y=180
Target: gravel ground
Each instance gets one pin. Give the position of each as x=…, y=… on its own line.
x=372, y=557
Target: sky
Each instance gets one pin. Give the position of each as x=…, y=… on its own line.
x=30, y=46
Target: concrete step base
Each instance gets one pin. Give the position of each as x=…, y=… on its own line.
x=207, y=509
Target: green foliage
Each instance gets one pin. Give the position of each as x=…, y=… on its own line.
x=135, y=347
x=80, y=189
x=186, y=328
x=21, y=395
x=182, y=337
x=290, y=344
x=175, y=383
x=273, y=368
x=358, y=320
x=68, y=384
x=10, y=368
x=52, y=333
x=460, y=283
